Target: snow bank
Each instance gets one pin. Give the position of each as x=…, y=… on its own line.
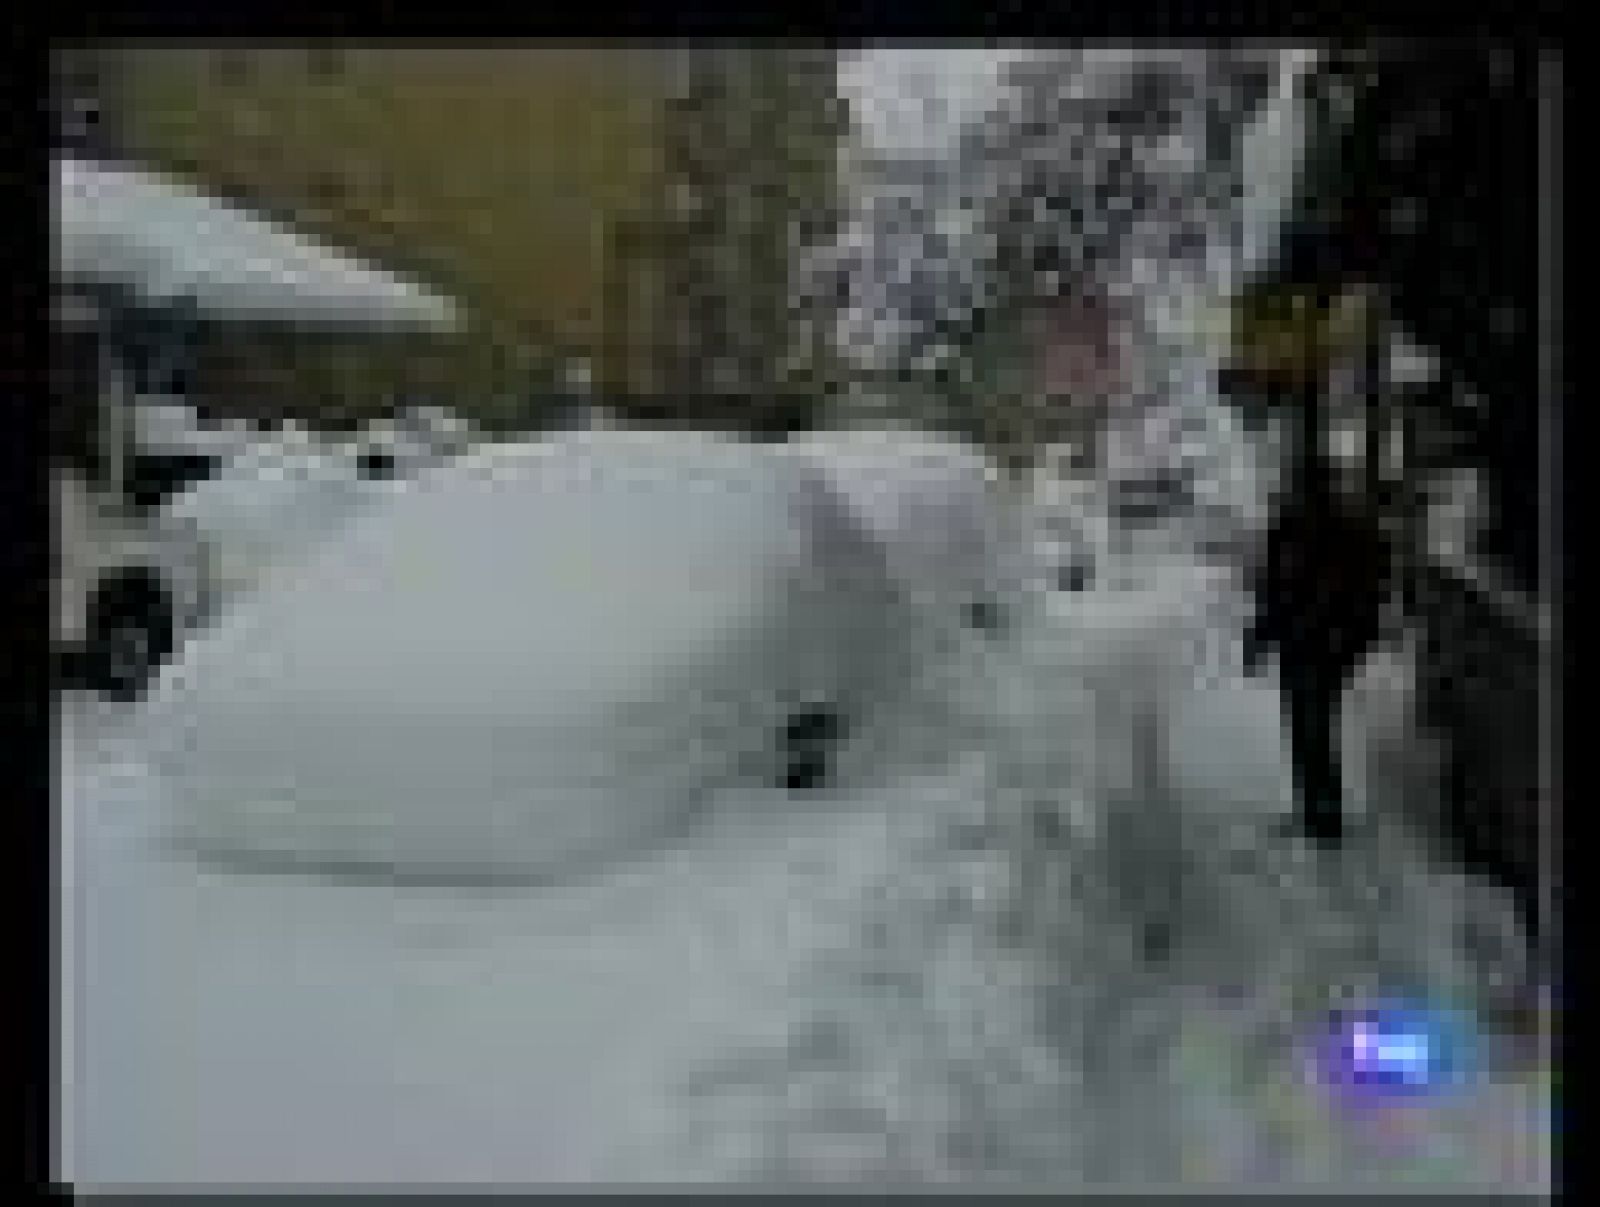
x=931, y=502
x=1088, y=961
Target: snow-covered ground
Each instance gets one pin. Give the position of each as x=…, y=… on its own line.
x=807, y=988
x=235, y=1028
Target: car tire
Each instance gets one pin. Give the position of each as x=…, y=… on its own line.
x=132, y=632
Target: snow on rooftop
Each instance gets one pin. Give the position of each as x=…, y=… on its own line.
x=168, y=242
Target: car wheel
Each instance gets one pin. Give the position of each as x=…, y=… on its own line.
x=132, y=632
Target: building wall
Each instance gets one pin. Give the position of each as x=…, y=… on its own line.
x=506, y=177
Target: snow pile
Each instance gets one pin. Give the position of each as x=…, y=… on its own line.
x=1076, y=969
x=930, y=502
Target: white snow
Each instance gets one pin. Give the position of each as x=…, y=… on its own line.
x=942, y=973
x=168, y=424
x=168, y=242
x=270, y=503
x=1271, y=154
x=569, y=643
x=907, y=101
x=821, y=986
x=931, y=503
x=994, y=1017
x=907, y=980
x=242, y=1029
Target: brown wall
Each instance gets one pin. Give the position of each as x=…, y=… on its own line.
x=499, y=175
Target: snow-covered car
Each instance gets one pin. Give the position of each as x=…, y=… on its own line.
x=273, y=503
x=537, y=655
x=141, y=260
